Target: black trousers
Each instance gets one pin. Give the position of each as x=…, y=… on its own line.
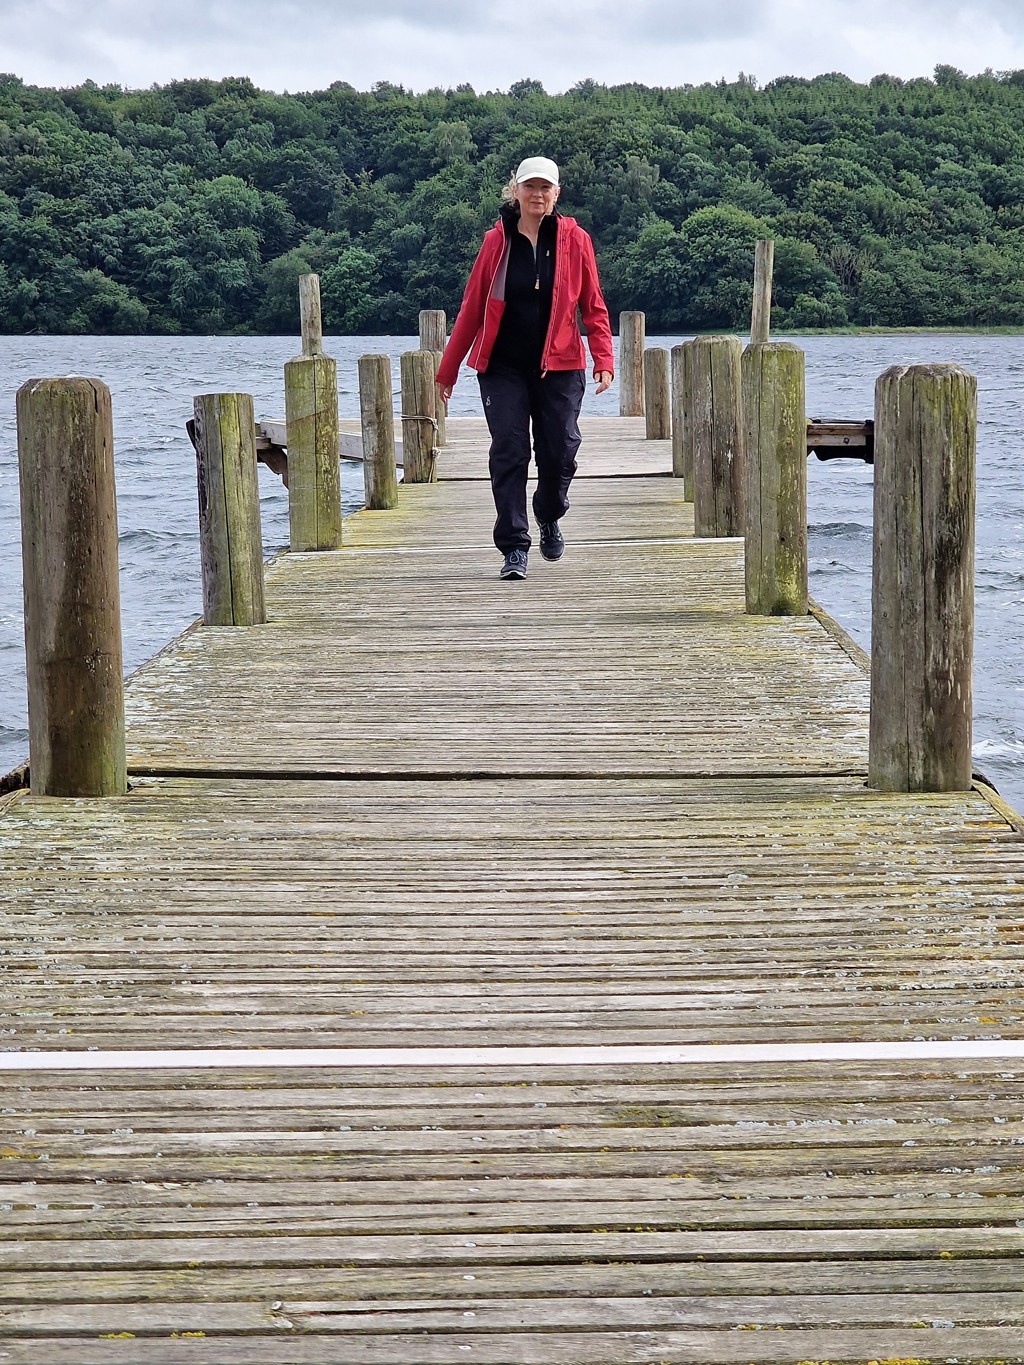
x=513, y=400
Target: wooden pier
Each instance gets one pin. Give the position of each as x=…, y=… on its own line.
x=564, y=994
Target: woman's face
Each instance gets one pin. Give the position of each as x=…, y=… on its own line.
x=536, y=197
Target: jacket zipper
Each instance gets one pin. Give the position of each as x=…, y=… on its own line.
x=554, y=299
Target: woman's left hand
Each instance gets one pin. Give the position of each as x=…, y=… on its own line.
x=604, y=379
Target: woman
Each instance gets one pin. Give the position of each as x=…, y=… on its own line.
x=517, y=325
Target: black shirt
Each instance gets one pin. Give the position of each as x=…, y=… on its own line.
x=529, y=281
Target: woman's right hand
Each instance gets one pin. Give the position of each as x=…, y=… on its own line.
x=444, y=391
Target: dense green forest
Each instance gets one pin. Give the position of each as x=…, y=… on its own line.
x=193, y=207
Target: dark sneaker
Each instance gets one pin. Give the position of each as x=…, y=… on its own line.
x=514, y=565
x=551, y=542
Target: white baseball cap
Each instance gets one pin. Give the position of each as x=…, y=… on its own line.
x=537, y=168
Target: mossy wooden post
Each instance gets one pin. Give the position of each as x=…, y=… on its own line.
x=311, y=413
x=418, y=423
x=714, y=411
x=631, y=364
x=656, y=398
x=761, y=310
x=922, y=583
x=682, y=427
x=380, y=479
x=72, y=600
x=230, y=533
x=433, y=337
x=310, y=317
x=775, y=495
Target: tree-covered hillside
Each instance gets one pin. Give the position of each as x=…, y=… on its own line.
x=194, y=206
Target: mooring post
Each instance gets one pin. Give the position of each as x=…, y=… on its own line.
x=380, y=479
x=440, y=408
x=682, y=443
x=761, y=310
x=657, y=408
x=775, y=496
x=419, y=425
x=72, y=600
x=311, y=414
x=230, y=531
x=310, y=317
x=433, y=336
x=922, y=581
x=433, y=329
x=714, y=415
x=631, y=364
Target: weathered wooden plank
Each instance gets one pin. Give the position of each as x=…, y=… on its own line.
x=725, y=1213
x=47, y=1200
x=213, y=1285
x=662, y=1163
x=520, y=1247
x=747, y=1312
x=969, y=1346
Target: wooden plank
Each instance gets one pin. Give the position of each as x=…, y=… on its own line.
x=511, y=1248
x=215, y=1285
x=984, y=1346
x=745, y=1312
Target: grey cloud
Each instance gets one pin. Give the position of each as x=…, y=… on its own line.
x=302, y=45
x=695, y=22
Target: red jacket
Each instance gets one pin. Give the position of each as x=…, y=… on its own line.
x=575, y=284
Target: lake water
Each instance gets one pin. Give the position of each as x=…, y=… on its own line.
x=153, y=380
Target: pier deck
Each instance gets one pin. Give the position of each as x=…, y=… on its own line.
x=422, y=817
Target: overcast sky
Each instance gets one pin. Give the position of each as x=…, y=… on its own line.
x=306, y=44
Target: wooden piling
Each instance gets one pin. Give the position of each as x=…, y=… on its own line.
x=309, y=315
x=433, y=329
x=419, y=426
x=440, y=408
x=922, y=588
x=761, y=309
x=682, y=443
x=433, y=336
x=380, y=478
x=775, y=494
x=714, y=411
x=314, y=472
x=657, y=408
x=72, y=600
x=230, y=532
x=631, y=364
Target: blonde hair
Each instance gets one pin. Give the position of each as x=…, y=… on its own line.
x=508, y=192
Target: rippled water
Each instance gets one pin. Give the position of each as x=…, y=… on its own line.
x=152, y=381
